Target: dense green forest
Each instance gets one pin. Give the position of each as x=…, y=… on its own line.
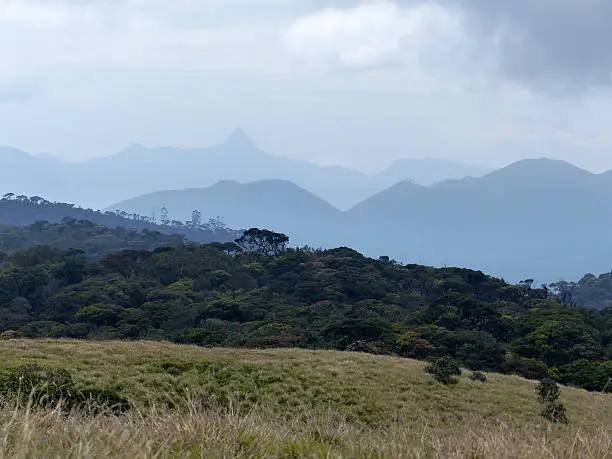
x=24, y=210
x=94, y=240
x=259, y=293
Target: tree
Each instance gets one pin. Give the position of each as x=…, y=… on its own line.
x=548, y=395
x=196, y=218
x=564, y=292
x=165, y=220
x=263, y=241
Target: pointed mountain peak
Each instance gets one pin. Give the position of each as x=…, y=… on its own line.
x=239, y=138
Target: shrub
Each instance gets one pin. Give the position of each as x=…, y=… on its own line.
x=95, y=401
x=362, y=346
x=554, y=412
x=414, y=347
x=36, y=385
x=548, y=391
x=42, y=387
x=527, y=368
x=478, y=376
x=444, y=370
x=548, y=394
x=10, y=334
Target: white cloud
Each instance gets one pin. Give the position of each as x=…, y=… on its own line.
x=372, y=34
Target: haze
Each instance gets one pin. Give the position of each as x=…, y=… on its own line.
x=345, y=82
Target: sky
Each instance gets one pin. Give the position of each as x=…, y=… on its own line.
x=356, y=83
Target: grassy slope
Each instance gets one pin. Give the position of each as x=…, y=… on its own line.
x=293, y=403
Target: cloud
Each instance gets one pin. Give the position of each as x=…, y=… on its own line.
x=371, y=34
x=545, y=44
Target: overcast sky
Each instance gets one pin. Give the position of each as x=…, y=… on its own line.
x=349, y=82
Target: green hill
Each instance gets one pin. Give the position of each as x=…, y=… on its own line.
x=217, y=295
x=94, y=240
x=195, y=402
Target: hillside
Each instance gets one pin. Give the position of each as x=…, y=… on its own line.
x=291, y=403
x=17, y=211
x=139, y=170
x=94, y=240
x=541, y=218
x=219, y=295
x=277, y=204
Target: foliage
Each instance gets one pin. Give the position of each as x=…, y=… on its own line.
x=548, y=391
x=548, y=395
x=61, y=224
x=37, y=386
x=263, y=241
x=527, y=368
x=478, y=376
x=555, y=412
x=444, y=370
x=220, y=295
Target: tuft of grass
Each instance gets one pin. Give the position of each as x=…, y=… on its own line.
x=196, y=402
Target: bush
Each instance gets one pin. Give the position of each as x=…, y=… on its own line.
x=554, y=412
x=95, y=401
x=527, y=368
x=548, y=391
x=10, y=334
x=362, y=346
x=548, y=394
x=444, y=370
x=478, y=376
x=36, y=385
x=42, y=387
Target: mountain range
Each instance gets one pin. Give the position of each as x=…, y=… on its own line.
x=138, y=170
x=543, y=218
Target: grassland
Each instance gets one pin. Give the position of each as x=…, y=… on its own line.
x=195, y=402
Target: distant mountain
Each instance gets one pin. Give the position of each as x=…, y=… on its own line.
x=428, y=171
x=544, y=218
x=541, y=218
x=26, y=174
x=139, y=170
x=276, y=204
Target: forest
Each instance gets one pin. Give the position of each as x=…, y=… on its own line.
x=21, y=210
x=257, y=292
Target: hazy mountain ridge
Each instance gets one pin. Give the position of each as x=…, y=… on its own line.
x=139, y=170
x=277, y=204
x=536, y=218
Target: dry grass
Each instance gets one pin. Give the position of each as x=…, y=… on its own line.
x=292, y=403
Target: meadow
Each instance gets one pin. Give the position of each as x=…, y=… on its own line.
x=189, y=401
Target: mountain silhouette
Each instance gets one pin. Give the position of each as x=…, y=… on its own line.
x=539, y=218
x=138, y=170
x=277, y=204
